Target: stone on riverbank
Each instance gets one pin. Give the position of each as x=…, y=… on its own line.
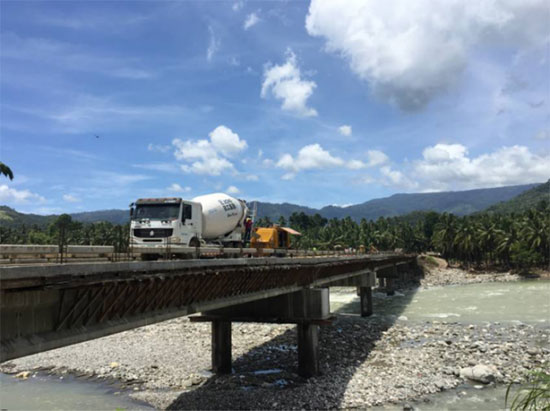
x=481, y=373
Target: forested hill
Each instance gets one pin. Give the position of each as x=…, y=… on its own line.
x=456, y=202
x=528, y=199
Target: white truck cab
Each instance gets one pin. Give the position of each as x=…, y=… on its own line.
x=215, y=218
x=163, y=221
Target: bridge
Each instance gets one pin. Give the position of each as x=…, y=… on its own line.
x=46, y=306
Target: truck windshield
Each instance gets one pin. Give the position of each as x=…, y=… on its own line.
x=157, y=211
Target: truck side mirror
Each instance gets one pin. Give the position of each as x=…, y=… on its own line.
x=131, y=212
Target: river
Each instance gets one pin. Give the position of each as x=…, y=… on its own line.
x=511, y=302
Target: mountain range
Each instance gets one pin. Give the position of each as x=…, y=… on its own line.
x=456, y=202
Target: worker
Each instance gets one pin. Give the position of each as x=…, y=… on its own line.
x=248, y=229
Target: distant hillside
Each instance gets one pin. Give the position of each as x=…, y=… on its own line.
x=11, y=218
x=457, y=202
x=527, y=199
x=112, y=216
x=274, y=211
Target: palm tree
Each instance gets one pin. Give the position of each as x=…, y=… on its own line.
x=5, y=170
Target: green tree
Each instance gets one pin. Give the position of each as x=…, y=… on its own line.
x=6, y=171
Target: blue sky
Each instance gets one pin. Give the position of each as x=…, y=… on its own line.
x=313, y=103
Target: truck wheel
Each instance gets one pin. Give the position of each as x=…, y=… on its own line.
x=194, y=242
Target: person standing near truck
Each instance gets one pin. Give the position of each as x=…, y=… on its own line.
x=248, y=229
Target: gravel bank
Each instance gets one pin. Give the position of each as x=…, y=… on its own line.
x=455, y=276
x=364, y=362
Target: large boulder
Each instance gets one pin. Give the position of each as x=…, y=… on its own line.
x=481, y=373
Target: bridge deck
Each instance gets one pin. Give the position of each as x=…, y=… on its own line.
x=49, y=306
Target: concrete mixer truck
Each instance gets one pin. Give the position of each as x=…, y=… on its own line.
x=208, y=219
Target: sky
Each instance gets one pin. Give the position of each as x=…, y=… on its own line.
x=312, y=103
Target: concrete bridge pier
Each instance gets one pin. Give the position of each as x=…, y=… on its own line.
x=365, y=294
x=308, y=349
x=221, y=347
x=308, y=309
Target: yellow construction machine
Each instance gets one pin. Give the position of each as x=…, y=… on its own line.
x=272, y=237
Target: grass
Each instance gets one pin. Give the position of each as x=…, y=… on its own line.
x=532, y=395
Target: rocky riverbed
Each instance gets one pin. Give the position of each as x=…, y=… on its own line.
x=438, y=273
x=364, y=362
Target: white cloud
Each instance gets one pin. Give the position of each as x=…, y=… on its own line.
x=214, y=166
x=396, y=178
x=237, y=5
x=448, y=166
x=543, y=135
x=164, y=167
x=160, y=148
x=411, y=52
x=251, y=20
x=312, y=156
x=209, y=156
x=226, y=141
x=345, y=130
x=232, y=190
x=252, y=177
x=70, y=56
x=213, y=45
x=285, y=83
x=176, y=188
x=376, y=158
x=11, y=195
x=70, y=198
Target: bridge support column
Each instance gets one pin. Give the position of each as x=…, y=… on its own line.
x=381, y=282
x=365, y=293
x=221, y=347
x=308, y=349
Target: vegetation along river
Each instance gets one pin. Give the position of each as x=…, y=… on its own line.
x=493, y=307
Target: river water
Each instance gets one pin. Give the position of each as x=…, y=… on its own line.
x=513, y=302
x=525, y=302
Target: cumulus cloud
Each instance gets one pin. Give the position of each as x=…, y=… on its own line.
x=70, y=198
x=449, y=166
x=176, y=188
x=10, y=195
x=251, y=20
x=396, y=178
x=410, y=53
x=232, y=190
x=285, y=83
x=312, y=157
x=376, y=158
x=210, y=157
x=345, y=130
x=226, y=141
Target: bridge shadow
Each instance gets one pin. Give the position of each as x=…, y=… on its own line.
x=266, y=376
